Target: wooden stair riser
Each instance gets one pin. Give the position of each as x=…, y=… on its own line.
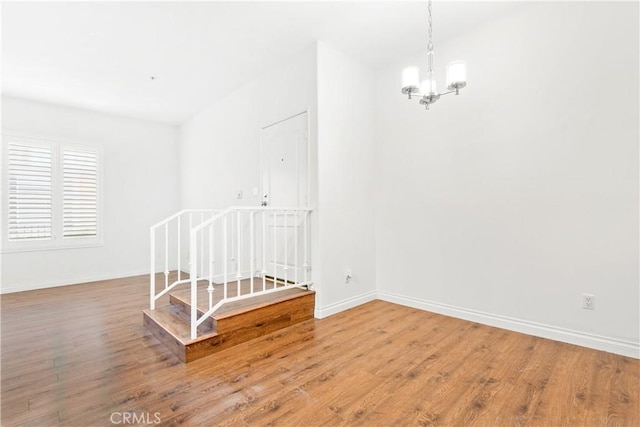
x=184, y=312
x=169, y=341
x=251, y=324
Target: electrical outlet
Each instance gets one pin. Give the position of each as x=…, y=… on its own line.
x=348, y=276
x=588, y=302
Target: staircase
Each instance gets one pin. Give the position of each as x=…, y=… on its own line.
x=224, y=304
x=234, y=324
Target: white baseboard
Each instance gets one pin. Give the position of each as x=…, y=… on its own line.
x=321, y=313
x=7, y=289
x=611, y=345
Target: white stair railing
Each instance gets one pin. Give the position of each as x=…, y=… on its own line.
x=268, y=247
x=271, y=245
x=172, y=235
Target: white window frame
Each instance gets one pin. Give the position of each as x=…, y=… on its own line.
x=57, y=241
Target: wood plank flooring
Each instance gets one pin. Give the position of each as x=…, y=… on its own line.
x=80, y=356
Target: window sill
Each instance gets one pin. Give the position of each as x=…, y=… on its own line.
x=21, y=247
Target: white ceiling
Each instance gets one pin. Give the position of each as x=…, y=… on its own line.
x=101, y=55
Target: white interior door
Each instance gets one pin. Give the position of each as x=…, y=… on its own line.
x=285, y=163
x=285, y=178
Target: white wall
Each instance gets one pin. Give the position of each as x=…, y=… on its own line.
x=508, y=202
x=220, y=146
x=140, y=188
x=346, y=181
x=219, y=153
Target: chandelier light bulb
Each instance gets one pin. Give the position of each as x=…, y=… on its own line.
x=410, y=80
x=456, y=75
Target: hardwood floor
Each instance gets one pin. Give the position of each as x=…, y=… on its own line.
x=80, y=356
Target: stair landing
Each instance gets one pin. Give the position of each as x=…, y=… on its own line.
x=233, y=324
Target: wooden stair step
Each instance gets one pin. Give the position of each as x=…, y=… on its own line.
x=182, y=308
x=182, y=298
x=170, y=329
x=234, y=288
x=176, y=325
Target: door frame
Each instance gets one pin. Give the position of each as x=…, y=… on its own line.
x=308, y=141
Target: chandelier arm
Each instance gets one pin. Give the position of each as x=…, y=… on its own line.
x=419, y=95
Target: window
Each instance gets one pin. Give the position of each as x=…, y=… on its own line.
x=30, y=192
x=79, y=193
x=53, y=194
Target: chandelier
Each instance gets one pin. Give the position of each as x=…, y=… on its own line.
x=426, y=90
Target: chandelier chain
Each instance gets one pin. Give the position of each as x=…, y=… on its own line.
x=430, y=45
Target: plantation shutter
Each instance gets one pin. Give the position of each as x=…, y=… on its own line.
x=80, y=193
x=30, y=170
